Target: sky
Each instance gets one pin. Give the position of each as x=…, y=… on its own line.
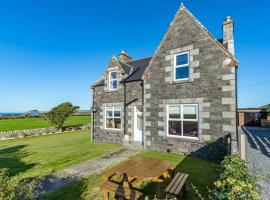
x=52, y=50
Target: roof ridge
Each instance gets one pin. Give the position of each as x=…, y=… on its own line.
x=140, y=58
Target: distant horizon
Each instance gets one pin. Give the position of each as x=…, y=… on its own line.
x=51, y=52
x=21, y=112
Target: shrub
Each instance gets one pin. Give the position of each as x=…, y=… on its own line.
x=267, y=108
x=235, y=181
x=13, y=189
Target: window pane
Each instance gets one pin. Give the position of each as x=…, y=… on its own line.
x=182, y=72
x=182, y=59
x=139, y=123
x=175, y=128
x=109, y=112
x=117, y=123
x=113, y=75
x=117, y=112
x=109, y=123
x=189, y=112
x=174, y=112
x=190, y=129
x=114, y=84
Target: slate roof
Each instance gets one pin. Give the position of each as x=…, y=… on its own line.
x=98, y=83
x=138, y=69
x=127, y=68
x=134, y=69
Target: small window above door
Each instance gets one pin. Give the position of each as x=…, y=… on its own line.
x=181, y=66
x=113, y=80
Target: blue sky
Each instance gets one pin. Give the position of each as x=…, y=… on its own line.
x=51, y=50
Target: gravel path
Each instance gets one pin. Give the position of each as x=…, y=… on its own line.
x=52, y=182
x=258, y=156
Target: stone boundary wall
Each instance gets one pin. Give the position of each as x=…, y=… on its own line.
x=38, y=131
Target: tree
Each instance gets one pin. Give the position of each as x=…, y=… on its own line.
x=267, y=108
x=59, y=114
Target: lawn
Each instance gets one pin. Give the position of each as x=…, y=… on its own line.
x=31, y=123
x=202, y=174
x=41, y=155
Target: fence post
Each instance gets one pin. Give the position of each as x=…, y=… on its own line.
x=243, y=146
x=229, y=144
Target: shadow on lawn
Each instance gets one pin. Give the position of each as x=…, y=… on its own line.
x=78, y=190
x=11, y=159
x=202, y=174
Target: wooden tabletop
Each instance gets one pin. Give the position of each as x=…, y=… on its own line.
x=140, y=168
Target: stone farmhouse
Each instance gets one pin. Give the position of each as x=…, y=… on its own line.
x=182, y=99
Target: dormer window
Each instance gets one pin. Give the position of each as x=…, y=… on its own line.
x=113, y=80
x=181, y=66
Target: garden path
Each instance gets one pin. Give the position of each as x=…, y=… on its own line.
x=52, y=182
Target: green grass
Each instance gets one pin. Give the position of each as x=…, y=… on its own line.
x=31, y=123
x=202, y=174
x=42, y=155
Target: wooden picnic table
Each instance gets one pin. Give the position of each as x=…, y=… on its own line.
x=141, y=169
x=132, y=171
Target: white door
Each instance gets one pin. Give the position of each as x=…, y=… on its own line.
x=138, y=125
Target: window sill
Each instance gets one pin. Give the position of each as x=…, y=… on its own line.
x=113, y=90
x=113, y=129
x=183, y=137
x=181, y=81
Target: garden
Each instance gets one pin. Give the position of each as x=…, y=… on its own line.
x=26, y=161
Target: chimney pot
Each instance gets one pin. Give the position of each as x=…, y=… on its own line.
x=228, y=18
x=124, y=57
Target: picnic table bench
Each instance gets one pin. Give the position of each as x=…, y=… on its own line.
x=177, y=185
x=120, y=191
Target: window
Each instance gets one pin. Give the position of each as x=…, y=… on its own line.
x=181, y=66
x=113, y=80
x=182, y=120
x=113, y=117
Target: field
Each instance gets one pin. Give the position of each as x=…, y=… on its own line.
x=31, y=123
x=37, y=156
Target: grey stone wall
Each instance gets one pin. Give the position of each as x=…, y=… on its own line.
x=38, y=131
x=105, y=98
x=211, y=86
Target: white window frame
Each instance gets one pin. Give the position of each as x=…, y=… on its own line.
x=113, y=117
x=178, y=66
x=110, y=79
x=182, y=120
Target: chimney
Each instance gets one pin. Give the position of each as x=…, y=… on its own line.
x=228, y=34
x=124, y=57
